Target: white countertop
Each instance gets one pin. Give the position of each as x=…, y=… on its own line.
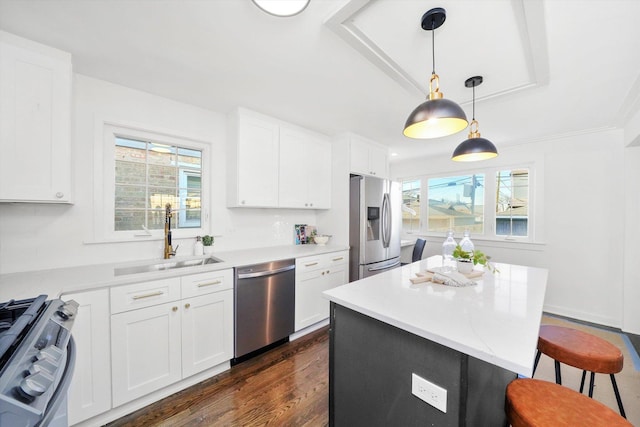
x=56, y=282
x=496, y=321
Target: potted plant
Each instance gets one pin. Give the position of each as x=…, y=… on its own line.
x=207, y=243
x=465, y=260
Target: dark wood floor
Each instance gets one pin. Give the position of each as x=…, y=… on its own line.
x=287, y=386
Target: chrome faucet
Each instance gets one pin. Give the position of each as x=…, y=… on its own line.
x=168, y=249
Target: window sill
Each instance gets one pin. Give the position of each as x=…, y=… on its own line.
x=507, y=243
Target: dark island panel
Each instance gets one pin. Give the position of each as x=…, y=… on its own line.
x=370, y=371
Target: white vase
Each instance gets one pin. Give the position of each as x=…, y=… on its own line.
x=208, y=250
x=464, y=267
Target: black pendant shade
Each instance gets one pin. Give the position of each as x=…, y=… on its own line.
x=436, y=117
x=475, y=147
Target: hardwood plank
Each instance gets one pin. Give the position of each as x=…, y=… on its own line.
x=286, y=386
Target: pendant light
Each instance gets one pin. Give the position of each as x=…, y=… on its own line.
x=474, y=148
x=282, y=8
x=436, y=117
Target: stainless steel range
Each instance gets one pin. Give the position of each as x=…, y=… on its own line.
x=37, y=356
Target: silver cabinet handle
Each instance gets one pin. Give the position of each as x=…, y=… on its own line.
x=338, y=259
x=215, y=282
x=311, y=264
x=153, y=294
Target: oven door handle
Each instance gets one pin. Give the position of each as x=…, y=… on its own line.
x=60, y=392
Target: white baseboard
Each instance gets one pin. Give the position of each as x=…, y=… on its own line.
x=583, y=315
x=308, y=329
x=127, y=408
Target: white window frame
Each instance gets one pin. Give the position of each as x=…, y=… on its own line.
x=535, y=209
x=104, y=180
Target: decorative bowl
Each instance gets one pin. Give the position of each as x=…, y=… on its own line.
x=321, y=239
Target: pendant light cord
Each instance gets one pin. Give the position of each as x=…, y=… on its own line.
x=474, y=103
x=433, y=47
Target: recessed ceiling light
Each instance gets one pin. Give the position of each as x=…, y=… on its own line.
x=394, y=154
x=282, y=8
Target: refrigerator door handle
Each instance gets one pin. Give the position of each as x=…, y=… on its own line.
x=386, y=221
x=385, y=267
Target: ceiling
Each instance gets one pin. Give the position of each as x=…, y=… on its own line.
x=555, y=67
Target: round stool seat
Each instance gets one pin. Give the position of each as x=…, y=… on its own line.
x=580, y=349
x=533, y=403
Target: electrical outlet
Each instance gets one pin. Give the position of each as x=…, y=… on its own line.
x=434, y=395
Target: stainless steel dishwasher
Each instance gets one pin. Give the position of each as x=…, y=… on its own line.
x=264, y=305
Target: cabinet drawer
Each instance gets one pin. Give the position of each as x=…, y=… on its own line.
x=145, y=294
x=310, y=263
x=206, y=283
x=337, y=258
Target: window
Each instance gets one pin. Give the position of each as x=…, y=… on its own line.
x=490, y=203
x=456, y=203
x=148, y=176
x=143, y=171
x=512, y=202
x=411, y=205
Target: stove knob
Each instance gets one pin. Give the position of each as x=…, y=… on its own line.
x=46, y=365
x=36, y=384
x=67, y=310
x=51, y=353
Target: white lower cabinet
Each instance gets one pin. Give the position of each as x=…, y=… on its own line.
x=207, y=331
x=158, y=345
x=146, y=353
x=314, y=275
x=90, y=390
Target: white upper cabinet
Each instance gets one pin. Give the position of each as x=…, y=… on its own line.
x=253, y=163
x=305, y=170
x=368, y=157
x=276, y=165
x=35, y=122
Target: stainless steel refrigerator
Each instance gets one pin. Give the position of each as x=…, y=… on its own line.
x=374, y=226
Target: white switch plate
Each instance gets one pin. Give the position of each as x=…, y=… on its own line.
x=434, y=395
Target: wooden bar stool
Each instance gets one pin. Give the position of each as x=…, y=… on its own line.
x=583, y=351
x=531, y=403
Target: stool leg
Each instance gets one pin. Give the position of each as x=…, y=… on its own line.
x=593, y=375
x=615, y=390
x=535, y=364
x=584, y=374
x=558, y=379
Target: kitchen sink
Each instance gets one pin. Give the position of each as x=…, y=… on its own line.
x=168, y=265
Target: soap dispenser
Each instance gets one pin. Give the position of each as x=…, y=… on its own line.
x=198, y=248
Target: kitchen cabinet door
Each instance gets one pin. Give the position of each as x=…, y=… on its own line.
x=315, y=275
x=254, y=163
x=90, y=390
x=35, y=122
x=305, y=170
x=145, y=351
x=319, y=175
x=367, y=158
x=207, y=331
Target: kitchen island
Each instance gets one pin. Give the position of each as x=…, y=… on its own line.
x=468, y=341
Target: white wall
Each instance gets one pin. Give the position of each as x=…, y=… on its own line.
x=579, y=202
x=38, y=236
x=631, y=319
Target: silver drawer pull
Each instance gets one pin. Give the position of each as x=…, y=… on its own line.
x=215, y=282
x=338, y=259
x=153, y=294
x=311, y=264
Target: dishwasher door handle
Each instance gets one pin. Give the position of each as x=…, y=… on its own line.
x=265, y=273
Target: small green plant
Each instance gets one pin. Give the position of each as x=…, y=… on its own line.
x=477, y=256
x=207, y=240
